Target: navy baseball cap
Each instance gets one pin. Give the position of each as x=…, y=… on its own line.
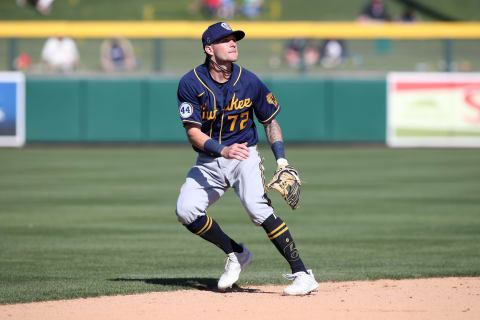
x=219, y=31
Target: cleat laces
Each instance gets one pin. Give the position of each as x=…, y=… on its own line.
x=290, y=276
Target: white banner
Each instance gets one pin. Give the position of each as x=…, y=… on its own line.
x=433, y=109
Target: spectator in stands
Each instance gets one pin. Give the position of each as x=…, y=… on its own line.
x=22, y=62
x=333, y=52
x=301, y=52
x=213, y=9
x=375, y=11
x=116, y=54
x=252, y=8
x=210, y=7
x=226, y=9
x=60, y=54
x=42, y=6
x=408, y=15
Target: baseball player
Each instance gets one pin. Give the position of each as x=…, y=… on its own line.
x=216, y=103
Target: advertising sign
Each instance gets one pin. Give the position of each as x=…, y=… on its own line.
x=12, y=109
x=433, y=110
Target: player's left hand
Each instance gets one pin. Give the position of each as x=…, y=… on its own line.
x=287, y=181
x=237, y=151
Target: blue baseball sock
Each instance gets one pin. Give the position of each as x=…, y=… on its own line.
x=277, y=232
x=208, y=229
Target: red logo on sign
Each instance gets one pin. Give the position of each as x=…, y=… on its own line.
x=470, y=94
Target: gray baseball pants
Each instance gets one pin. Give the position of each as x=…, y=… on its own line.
x=208, y=180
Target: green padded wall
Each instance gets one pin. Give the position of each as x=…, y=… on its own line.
x=302, y=117
x=358, y=110
x=163, y=122
x=53, y=111
x=145, y=110
x=114, y=110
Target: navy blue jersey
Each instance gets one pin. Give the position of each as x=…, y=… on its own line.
x=225, y=111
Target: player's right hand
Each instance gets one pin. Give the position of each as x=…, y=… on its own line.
x=237, y=151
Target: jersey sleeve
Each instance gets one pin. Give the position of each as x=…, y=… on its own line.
x=188, y=105
x=266, y=105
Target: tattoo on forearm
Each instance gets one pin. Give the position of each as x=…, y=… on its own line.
x=273, y=132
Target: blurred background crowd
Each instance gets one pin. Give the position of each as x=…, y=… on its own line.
x=65, y=55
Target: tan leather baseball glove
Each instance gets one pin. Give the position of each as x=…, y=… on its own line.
x=287, y=181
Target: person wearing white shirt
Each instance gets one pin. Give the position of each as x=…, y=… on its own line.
x=60, y=54
x=42, y=6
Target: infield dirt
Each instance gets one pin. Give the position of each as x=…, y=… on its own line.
x=441, y=298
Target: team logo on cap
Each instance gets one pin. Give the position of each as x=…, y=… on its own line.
x=185, y=110
x=226, y=26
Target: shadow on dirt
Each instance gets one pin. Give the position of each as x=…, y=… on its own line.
x=207, y=284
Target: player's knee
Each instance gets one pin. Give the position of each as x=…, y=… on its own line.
x=187, y=212
x=258, y=214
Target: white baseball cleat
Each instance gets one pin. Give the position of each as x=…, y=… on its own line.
x=235, y=263
x=303, y=283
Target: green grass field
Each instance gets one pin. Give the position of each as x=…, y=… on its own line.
x=90, y=221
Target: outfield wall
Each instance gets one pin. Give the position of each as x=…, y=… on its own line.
x=145, y=110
